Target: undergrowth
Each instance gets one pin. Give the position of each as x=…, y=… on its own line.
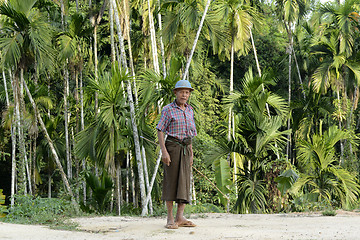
x=53, y=212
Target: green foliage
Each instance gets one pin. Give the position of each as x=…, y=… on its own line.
x=160, y=210
x=222, y=177
x=2, y=203
x=285, y=180
x=251, y=192
x=329, y=212
x=326, y=57
x=321, y=174
x=202, y=208
x=47, y=211
x=308, y=203
x=101, y=191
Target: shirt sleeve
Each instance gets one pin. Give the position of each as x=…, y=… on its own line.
x=164, y=122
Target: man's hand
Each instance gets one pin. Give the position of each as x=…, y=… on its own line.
x=165, y=158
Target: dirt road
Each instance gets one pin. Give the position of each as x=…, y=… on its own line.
x=345, y=225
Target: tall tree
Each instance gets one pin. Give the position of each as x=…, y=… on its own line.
x=132, y=108
x=289, y=12
x=27, y=36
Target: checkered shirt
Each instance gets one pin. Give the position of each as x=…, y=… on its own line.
x=176, y=122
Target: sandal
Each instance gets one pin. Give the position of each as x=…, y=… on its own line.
x=187, y=224
x=171, y=226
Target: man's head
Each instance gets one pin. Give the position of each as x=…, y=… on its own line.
x=182, y=91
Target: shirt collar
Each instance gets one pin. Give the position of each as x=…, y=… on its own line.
x=177, y=106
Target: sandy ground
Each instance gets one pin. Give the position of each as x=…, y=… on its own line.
x=345, y=225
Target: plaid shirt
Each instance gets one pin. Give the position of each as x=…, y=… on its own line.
x=176, y=122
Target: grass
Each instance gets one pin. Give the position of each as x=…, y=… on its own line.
x=52, y=212
x=329, y=212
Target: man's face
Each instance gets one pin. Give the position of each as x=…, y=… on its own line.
x=182, y=95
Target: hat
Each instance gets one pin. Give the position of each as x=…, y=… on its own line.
x=183, y=84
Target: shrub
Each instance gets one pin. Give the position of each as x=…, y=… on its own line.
x=329, y=212
x=48, y=211
x=2, y=202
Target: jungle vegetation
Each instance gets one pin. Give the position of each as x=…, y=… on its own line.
x=276, y=98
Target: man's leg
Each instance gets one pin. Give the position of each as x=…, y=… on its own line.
x=170, y=216
x=180, y=213
x=180, y=219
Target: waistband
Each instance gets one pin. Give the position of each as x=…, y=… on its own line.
x=184, y=142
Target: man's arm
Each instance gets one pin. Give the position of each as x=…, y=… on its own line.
x=165, y=155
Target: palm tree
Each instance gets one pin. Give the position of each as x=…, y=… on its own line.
x=181, y=19
x=73, y=49
x=331, y=72
x=132, y=108
x=320, y=173
x=289, y=12
x=257, y=137
x=26, y=36
x=340, y=22
x=107, y=135
x=240, y=21
x=241, y=18
x=196, y=39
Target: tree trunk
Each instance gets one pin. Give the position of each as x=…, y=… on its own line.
x=52, y=148
x=162, y=48
x=22, y=138
x=49, y=185
x=231, y=84
x=66, y=119
x=231, y=124
x=18, y=113
x=288, y=148
x=13, y=145
x=153, y=40
x=148, y=196
x=13, y=162
x=353, y=107
x=112, y=40
x=33, y=180
x=127, y=178
x=62, y=7
x=132, y=179
x=6, y=91
x=82, y=126
x=95, y=53
x=196, y=39
x=120, y=36
x=146, y=177
x=255, y=53
x=132, y=112
x=298, y=71
x=117, y=188
x=131, y=62
x=340, y=127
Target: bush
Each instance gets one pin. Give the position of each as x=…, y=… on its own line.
x=329, y=212
x=309, y=203
x=48, y=211
x=2, y=202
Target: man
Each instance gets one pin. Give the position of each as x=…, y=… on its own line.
x=177, y=121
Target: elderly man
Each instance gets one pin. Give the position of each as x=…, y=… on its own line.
x=177, y=121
